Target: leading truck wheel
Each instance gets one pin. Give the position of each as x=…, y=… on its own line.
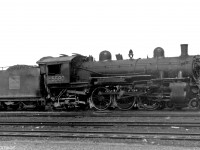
x=194, y=104
x=124, y=100
x=100, y=98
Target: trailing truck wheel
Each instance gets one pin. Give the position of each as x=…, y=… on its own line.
x=162, y=105
x=124, y=100
x=100, y=98
x=178, y=108
x=149, y=103
x=169, y=105
x=70, y=107
x=40, y=107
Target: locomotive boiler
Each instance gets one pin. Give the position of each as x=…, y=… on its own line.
x=151, y=83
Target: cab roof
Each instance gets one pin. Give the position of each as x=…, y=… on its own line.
x=49, y=59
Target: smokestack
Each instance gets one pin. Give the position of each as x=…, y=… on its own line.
x=184, y=50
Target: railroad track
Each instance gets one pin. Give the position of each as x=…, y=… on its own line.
x=103, y=114
x=103, y=134
x=103, y=130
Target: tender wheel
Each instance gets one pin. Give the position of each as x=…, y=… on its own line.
x=100, y=98
x=194, y=104
x=15, y=106
x=149, y=103
x=124, y=100
x=3, y=106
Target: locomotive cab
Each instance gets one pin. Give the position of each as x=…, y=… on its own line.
x=56, y=69
x=59, y=76
x=60, y=70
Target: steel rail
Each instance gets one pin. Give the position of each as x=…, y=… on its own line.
x=103, y=124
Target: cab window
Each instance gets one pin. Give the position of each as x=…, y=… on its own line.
x=54, y=69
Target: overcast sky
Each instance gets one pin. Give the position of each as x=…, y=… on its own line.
x=31, y=29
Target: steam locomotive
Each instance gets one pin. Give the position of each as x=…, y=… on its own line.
x=79, y=82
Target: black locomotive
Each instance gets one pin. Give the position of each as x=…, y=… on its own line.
x=77, y=81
